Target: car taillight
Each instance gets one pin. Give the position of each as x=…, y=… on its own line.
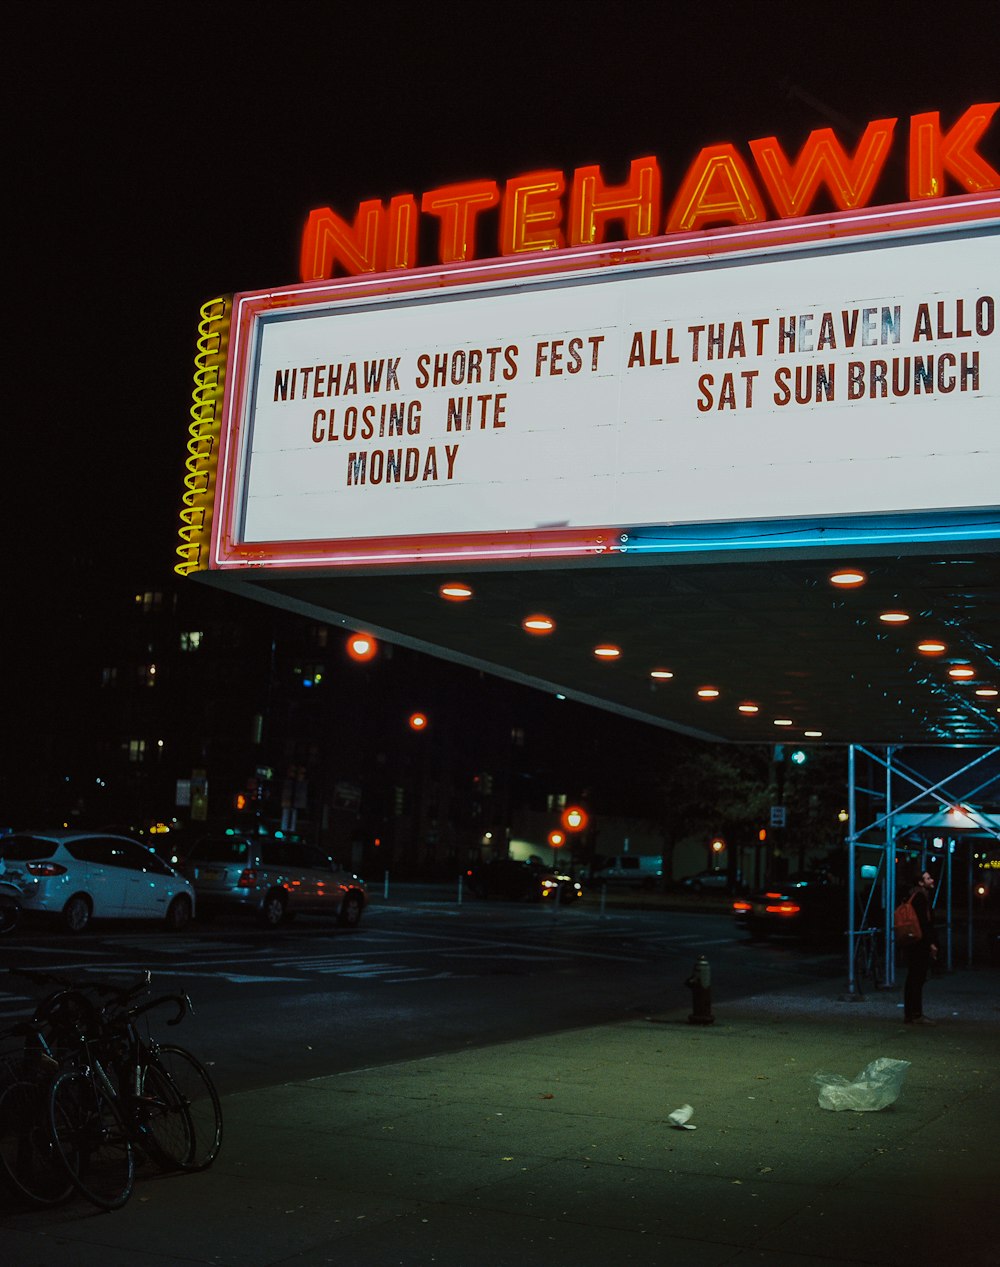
x=783, y=908
x=742, y=906
x=248, y=879
x=45, y=868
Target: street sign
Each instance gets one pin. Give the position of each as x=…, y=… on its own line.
x=777, y=815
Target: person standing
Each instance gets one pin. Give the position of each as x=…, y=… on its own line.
x=920, y=953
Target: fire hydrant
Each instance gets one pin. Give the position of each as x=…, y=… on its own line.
x=700, y=985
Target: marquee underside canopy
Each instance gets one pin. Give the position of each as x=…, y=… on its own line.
x=762, y=630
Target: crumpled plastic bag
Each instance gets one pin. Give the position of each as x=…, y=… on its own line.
x=681, y=1118
x=876, y=1087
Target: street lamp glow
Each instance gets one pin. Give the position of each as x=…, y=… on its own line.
x=574, y=818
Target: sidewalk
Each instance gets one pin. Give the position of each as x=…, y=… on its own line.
x=557, y=1150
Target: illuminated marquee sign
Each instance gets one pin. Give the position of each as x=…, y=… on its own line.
x=550, y=406
x=543, y=210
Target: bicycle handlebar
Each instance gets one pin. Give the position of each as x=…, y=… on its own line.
x=183, y=1007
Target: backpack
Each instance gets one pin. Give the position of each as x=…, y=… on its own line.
x=905, y=922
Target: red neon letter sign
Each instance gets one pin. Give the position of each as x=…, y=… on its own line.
x=718, y=189
x=592, y=203
x=375, y=241
x=531, y=217
x=458, y=206
x=793, y=185
x=932, y=153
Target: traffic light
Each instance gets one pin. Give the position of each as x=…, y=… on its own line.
x=799, y=757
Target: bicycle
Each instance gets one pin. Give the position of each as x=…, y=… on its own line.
x=27, y=1153
x=113, y=1092
x=868, y=959
x=28, y=1161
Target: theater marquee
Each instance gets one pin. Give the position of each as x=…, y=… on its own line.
x=546, y=407
x=736, y=361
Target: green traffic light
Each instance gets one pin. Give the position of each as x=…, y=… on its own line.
x=799, y=757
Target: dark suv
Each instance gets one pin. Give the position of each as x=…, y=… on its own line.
x=272, y=876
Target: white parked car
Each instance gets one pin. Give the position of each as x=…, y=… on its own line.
x=84, y=875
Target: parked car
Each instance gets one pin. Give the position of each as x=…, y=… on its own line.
x=633, y=870
x=271, y=876
x=522, y=882
x=92, y=875
x=809, y=905
x=715, y=881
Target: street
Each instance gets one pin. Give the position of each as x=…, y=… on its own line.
x=418, y=978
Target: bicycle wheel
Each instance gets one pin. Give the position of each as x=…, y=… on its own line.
x=27, y=1154
x=91, y=1140
x=201, y=1100
x=166, y=1131
x=862, y=963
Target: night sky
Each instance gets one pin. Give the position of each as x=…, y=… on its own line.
x=162, y=154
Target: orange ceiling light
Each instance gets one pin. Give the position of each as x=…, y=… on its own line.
x=708, y=692
x=538, y=624
x=361, y=646
x=418, y=721
x=455, y=591
x=931, y=646
x=749, y=709
x=607, y=651
x=962, y=672
x=894, y=618
x=661, y=675
x=848, y=578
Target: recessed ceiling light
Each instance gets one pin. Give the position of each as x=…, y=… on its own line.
x=962, y=671
x=361, y=646
x=847, y=578
x=894, y=618
x=783, y=721
x=456, y=591
x=931, y=646
x=661, y=675
x=607, y=651
x=813, y=734
x=987, y=691
x=749, y=708
x=538, y=624
x=708, y=692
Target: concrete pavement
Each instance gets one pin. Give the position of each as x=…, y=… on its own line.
x=558, y=1150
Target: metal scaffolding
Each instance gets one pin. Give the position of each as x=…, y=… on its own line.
x=917, y=816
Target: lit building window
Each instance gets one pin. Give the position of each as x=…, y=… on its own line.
x=310, y=675
x=191, y=640
x=109, y=677
x=150, y=600
x=137, y=750
x=517, y=737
